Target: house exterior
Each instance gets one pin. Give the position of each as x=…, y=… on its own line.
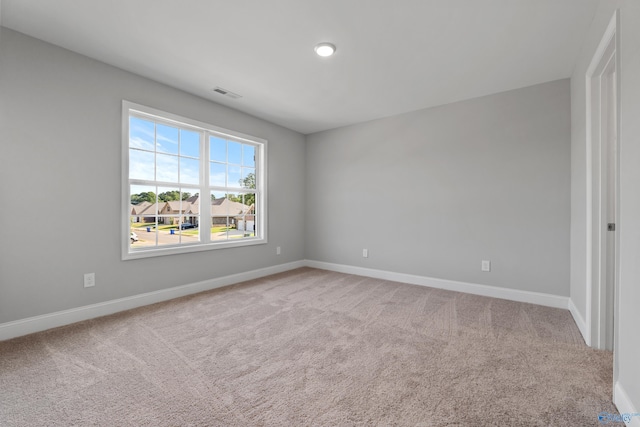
x=177, y=209
x=144, y=212
x=192, y=213
x=223, y=212
x=247, y=221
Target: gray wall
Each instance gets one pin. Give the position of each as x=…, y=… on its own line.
x=60, y=126
x=434, y=192
x=627, y=351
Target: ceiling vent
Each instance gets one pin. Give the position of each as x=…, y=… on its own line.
x=225, y=92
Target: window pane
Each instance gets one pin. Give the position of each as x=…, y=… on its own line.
x=218, y=149
x=219, y=206
x=189, y=171
x=248, y=178
x=167, y=164
x=246, y=229
x=166, y=139
x=179, y=217
x=219, y=216
x=248, y=200
x=190, y=231
x=141, y=134
x=190, y=228
x=235, y=176
x=170, y=195
x=134, y=229
x=235, y=205
x=188, y=196
x=191, y=210
x=218, y=174
x=246, y=222
x=190, y=220
x=219, y=230
x=143, y=216
x=236, y=210
x=141, y=165
x=142, y=235
x=143, y=198
x=167, y=168
x=169, y=207
x=235, y=152
x=189, y=143
x=167, y=231
x=216, y=195
x=248, y=155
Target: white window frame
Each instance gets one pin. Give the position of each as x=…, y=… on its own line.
x=204, y=187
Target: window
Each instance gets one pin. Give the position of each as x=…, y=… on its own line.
x=189, y=186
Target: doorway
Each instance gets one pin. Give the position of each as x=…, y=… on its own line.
x=602, y=191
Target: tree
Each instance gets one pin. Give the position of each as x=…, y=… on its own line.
x=145, y=196
x=169, y=196
x=249, y=199
x=249, y=182
x=234, y=198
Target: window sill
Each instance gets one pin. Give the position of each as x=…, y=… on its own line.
x=129, y=254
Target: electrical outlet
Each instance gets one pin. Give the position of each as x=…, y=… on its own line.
x=278, y=251
x=365, y=253
x=89, y=280
x=486, y=265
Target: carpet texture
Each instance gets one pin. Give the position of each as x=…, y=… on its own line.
x=310, y=348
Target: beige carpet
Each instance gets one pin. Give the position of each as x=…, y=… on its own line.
x=310, y=348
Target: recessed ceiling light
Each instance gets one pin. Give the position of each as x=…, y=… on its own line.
x=325, y=49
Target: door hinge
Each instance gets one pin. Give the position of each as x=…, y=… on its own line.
x=611, y=226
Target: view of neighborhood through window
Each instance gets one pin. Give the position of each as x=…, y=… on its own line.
x=189, y=186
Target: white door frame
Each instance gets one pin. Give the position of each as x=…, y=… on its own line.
x=606, y=56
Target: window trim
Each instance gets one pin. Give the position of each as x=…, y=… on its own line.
x=131, y=108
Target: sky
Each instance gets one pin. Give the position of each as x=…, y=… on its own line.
x=176, y=152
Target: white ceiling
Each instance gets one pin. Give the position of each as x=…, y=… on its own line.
x=392, y=56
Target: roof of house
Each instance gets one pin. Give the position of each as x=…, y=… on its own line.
x=144, y=208
x=219, y=207
x=177, y=206
x=139, y=208
x=191, y=206
x=227, y=208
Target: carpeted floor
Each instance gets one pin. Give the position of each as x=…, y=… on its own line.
x=310, y=347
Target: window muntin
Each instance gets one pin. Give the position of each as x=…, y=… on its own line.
x=189, y=186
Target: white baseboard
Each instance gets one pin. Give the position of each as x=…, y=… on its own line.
x=630, y=414
x=52, y=320
x=580, y=322
x=470, y=288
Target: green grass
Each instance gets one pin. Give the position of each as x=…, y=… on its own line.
x=214, y=229
x=142, y=224
x=220, y=228
x=167, y=227
x=189, y=232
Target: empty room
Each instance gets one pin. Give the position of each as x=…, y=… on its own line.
x=336, y=213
